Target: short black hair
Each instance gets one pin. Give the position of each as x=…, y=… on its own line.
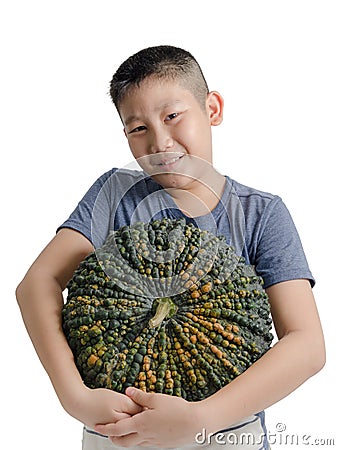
x=160, y=62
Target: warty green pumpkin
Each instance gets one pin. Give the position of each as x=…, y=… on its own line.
x=165, y=307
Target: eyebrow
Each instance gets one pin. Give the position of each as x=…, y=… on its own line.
x=130, y=119
x=133, y=118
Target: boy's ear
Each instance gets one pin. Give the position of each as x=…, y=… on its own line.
x=215, y=104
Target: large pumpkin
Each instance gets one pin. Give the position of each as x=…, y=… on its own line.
x=165, y=307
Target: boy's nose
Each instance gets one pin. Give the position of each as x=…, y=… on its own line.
x=161, y=142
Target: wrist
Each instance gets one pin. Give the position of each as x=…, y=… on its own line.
x=207, y=418
x=202, y=419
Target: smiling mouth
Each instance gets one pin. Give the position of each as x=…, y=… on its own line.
x=168, y=162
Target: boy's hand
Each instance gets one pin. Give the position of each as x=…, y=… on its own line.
x=94, y=406
x=165, y=421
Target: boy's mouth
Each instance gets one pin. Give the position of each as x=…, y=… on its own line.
x=168, y=161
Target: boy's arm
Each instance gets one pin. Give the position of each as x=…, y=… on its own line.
x=298, y=354
x=40, y=299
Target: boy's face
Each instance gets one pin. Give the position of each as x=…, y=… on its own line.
x=169, y=132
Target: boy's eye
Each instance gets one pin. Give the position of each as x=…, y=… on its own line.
x=137, y=129
x=171, y=116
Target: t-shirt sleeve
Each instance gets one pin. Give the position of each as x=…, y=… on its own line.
x=279, y=252
x=81, y=218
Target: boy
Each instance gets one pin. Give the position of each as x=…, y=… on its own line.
x=167, y=112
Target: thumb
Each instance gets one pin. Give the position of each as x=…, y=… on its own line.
x=140, y=397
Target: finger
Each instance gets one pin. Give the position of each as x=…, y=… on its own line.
x=130, y=440
x=145, y=399
x=120, y=428
x=119, y=416
x=116, y=416
x=131, y=407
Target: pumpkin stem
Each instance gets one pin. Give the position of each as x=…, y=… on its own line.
x=165, y=308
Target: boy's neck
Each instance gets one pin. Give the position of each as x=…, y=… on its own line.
x=200, y=197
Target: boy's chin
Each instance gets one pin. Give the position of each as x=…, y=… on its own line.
x=173, y=180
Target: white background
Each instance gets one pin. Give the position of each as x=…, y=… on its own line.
x=275, y=63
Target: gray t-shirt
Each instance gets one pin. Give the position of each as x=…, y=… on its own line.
x=257, y=224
